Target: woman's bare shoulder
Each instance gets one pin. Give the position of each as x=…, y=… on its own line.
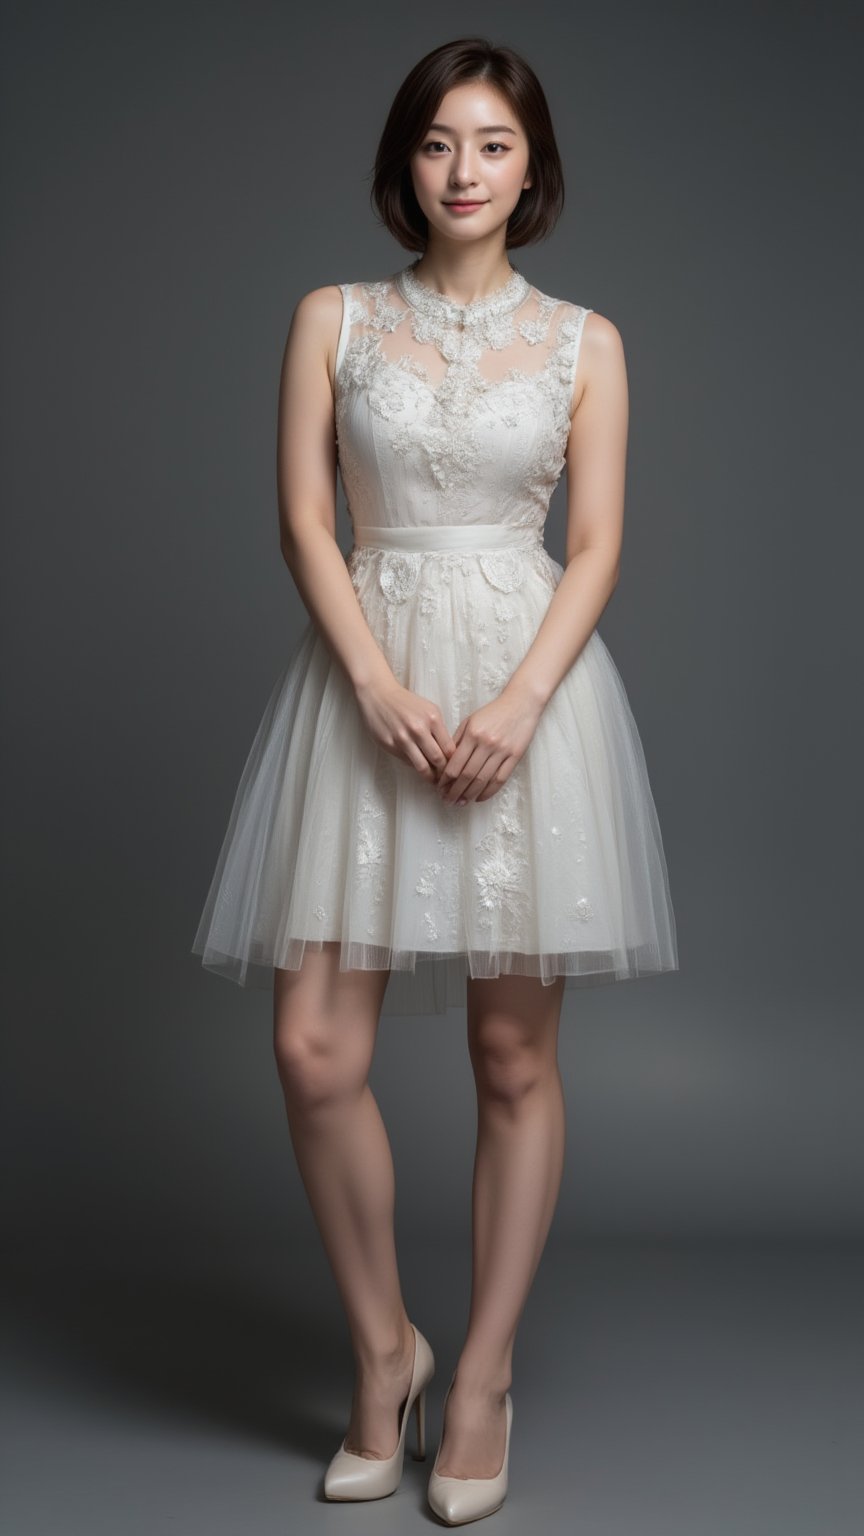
x=319, y=307
x=316, y=322
x=600, y=331
x=322, y=300
x=602, y=344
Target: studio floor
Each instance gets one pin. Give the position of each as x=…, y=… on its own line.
x=660, y=1389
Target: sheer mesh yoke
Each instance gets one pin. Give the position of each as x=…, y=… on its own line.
x=522, y=338
x=452, y=423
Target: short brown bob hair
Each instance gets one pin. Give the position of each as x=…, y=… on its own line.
x=414, y=108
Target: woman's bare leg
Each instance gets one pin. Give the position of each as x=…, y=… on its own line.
x=325, y=1023
x=513, y=1044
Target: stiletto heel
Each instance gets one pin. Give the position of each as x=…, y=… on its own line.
x=351, y=1476
x=456, y=1500
x=420, y=1410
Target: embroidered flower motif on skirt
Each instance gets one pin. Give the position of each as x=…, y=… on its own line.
x=502, y=870
x=427, y=887
x=370, y=841
x=399, y=574
x=436, y=887
x=580, y=910
x=504, y=569
x=496, y=675
x=429, y=601
x=371, y=850
x=426, y=884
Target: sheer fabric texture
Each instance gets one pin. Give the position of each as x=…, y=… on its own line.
x=452, y=425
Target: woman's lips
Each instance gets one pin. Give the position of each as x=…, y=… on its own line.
x=465, y=207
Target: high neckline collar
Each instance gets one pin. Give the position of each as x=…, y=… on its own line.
x=437, y=305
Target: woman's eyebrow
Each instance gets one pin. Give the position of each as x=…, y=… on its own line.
x=495, y=128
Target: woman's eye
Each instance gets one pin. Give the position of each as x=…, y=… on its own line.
x=493, y=144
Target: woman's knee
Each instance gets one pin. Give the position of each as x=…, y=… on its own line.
x=314, y=1071
x=512, y=1035
x=507, y=1060
x=322, y=1043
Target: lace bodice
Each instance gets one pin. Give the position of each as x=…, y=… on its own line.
x=449, y=413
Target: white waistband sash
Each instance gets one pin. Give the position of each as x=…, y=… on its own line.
x=449, y=536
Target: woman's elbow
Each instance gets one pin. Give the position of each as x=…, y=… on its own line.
x=295, y=536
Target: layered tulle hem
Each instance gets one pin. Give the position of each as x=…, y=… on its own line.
x=428, y=982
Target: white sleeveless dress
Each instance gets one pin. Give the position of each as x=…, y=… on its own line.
x=452, y=424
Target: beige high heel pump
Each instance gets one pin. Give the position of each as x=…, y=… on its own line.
x=457, y=1500
x=350, y=1476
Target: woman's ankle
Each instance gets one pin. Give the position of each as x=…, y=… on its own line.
x=386, y=1352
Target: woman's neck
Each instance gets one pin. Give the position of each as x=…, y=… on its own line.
x=464, y=275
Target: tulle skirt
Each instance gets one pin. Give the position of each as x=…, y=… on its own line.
x=332, y=839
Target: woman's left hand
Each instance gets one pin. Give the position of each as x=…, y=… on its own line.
x=489, y=743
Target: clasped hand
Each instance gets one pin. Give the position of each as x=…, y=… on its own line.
x=472, y=764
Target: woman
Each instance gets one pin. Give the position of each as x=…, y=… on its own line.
x=447, y=792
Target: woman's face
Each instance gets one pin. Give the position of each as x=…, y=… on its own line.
x=474, y=150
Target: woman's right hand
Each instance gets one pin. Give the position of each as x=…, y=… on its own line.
x=407, y=725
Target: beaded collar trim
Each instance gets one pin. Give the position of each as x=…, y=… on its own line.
x=436, y=306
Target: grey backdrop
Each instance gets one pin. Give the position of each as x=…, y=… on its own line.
x=174, y=179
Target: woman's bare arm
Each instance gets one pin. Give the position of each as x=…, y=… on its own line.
x=404, y=723
x=306, y=488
